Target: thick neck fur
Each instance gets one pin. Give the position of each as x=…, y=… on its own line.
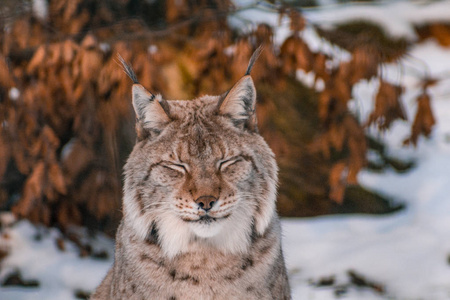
x=174, y=236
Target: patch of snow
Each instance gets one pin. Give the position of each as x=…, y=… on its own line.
x=308, y=79
x=7, y=219
x=426, y=12
x=105, y=47
x=388, y=17
x=60, y=273
x=397, y=18
x=318, y=44
x=246, y=19
x=230, y=50
x=431, y=57
x=40, y=9
x=14, y=93
x=67, y=148
x=152, y=49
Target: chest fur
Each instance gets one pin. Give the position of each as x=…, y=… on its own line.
x=200, y=273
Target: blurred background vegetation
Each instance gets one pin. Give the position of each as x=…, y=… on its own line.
x=67, y=125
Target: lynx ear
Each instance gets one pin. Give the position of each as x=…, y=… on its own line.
x=239, y=103
x=151, y=111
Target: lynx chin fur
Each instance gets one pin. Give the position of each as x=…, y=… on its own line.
x=199, y=203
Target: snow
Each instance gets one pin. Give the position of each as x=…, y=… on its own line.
x=14, y=93
x=60, y=273
x=40, y=9
x=105, y=47
x=152, y=49
x=241, y=21
x=397, y=18
x=405, y=253
x=308, y=80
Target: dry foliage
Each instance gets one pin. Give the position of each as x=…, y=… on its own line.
x=423, y=121
x=440, y=31
x=388, y=106
x=67, y=130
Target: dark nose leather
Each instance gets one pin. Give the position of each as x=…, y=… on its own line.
x=206, y=202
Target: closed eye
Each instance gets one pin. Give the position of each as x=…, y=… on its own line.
x=176, y=167
x=223, y=164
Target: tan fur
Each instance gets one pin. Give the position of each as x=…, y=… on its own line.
x=169, y=245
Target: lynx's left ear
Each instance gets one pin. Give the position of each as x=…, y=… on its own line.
x=239, y=103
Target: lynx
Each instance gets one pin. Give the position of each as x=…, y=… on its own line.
x=199, y=219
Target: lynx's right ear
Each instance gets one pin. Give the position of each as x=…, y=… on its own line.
x=152, y=112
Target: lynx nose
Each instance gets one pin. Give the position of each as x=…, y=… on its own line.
x=206, y=202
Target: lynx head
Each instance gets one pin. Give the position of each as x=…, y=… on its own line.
x=199, y=172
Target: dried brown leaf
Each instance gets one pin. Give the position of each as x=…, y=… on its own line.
x=336, y=134
x=5, y=155
x=32, y=191
x=364, y=63
x=423, y=121
x=37, y=60
x=388, y=106
x=69, y=50
x=295, y=54
x=320, y=66
x=56, y=178
x=441, y=32
x=6, y=80
x=337, y=182
x=90, y=64
x=297, y=21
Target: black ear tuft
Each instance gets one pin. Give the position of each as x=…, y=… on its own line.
x=254, y=57
x=239, y=102
x=152, y=112
x=127, y=69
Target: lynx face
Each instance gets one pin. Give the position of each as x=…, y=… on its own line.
x=200, y=174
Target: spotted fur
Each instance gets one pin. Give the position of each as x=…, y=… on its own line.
x=199, y=203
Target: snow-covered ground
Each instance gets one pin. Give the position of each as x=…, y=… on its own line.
x=61, y=274
x=407, y=253
x=403, y=256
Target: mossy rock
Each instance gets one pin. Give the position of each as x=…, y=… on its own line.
x=304, y=189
